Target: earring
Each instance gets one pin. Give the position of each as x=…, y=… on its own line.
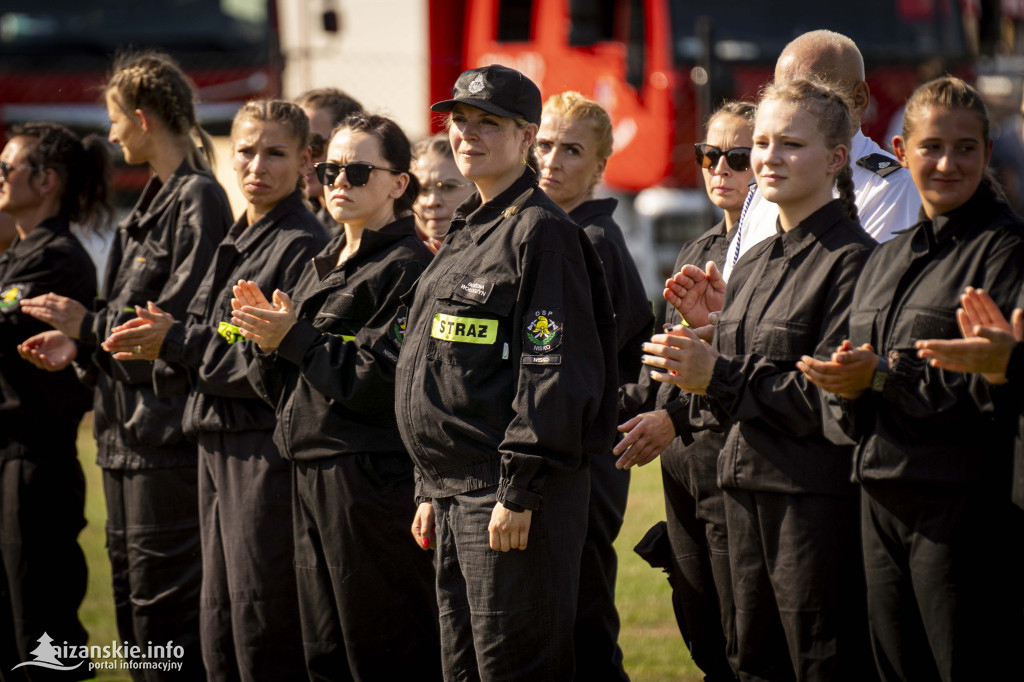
x=524, y=157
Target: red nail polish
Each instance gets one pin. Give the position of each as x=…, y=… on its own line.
x=426, y=543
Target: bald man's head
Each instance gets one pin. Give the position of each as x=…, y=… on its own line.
x=829, y=56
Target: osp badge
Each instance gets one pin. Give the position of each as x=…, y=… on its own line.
x=397, y=329
x=543, y=333
x=11, y=297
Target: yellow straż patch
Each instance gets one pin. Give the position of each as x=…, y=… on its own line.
x=464, y=329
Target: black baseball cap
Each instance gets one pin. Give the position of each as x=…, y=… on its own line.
x=497, y=90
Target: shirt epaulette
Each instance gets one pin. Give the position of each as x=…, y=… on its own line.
x=880, y=164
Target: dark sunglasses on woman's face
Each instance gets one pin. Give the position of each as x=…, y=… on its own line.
x=738, y=158
x=357, y=174
x=6, y=169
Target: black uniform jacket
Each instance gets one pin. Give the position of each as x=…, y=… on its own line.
x=332, y=379
x=32, y=400
x=160, y=253
x=1015, y=373
x=634, y=320
x=271, y=252
x=507, y=374
x=927, y=424
x=788, y=296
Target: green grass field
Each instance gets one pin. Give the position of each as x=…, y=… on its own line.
x=653, y=649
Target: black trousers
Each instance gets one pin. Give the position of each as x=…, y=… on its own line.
x=42, y=569
x=699, y=574
x=249, y=617
x=944, y=581
x=366, y=591
x=509, y=615
x=153, y=544
x=596, y=636
x=798, y=586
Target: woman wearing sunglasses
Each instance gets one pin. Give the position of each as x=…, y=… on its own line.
x=250, y=621
x=573, y=145
x=325, y=108
x=694, y=504
x=48, y=178
x=505, y=387
x=366, y=594
x=442, y=188
x=791, y=512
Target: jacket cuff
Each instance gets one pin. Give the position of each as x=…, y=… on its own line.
x=86, y=333
x=904, y=371
x=679, y=413
x=517, y=499
x=1015, y=368
x=719, y=388
x=298, y=340
x=173, y=347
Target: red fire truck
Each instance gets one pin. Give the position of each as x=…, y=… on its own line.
x=660, y=66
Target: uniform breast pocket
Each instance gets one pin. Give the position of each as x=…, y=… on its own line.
x=339, y=314
x=147, y=276
x=787, y=340
x=863, y=326
x=469, y=327
x=726, y=336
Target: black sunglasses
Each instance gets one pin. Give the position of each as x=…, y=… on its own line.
x=6, y=169
x=317, y=144
x=357, y=174
x=738, y=158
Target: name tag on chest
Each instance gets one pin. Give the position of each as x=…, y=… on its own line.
x=464, y=329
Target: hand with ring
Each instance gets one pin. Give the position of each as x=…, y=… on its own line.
x=140, y=338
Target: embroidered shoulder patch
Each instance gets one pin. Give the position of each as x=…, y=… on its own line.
x=542, y=332
x=396, y=331
x=11, y=297
x=879, y=164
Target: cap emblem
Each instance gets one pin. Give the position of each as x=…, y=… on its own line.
x=478, y=84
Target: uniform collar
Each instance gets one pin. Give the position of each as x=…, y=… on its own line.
x=977, y=210
x=371, y=242
x=475, y=215
x=593, y=208
x=810, y=229
x=243, y=235
x=40, y=236
x=157, y=195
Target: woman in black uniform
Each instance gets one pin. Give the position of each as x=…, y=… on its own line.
x=941, y=539
x=366, y=595
x=505, y=386
x=694, y=504
x=791, y=512
x=250, y=622
x=48, y=178
x=325, y=108
x=573, y=145
x=160, y=253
